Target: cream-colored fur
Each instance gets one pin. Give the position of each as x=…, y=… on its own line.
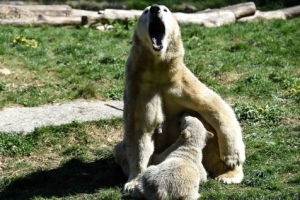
x=159, y=89
x=179, y=175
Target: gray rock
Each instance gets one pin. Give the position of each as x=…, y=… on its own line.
x=26, y=119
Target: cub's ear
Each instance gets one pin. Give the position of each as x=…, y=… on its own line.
x=209, y=134
x=186, y=133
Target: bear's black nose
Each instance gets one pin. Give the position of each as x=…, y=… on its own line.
x=154, y=10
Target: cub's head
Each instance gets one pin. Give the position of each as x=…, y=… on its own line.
x=157, y=29
x=193, y=130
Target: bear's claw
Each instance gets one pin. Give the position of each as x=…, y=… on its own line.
x=129, y=187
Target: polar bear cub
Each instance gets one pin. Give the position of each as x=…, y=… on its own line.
x=179, y=175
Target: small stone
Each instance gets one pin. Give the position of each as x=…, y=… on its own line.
x=105, y=28
x=5, y=71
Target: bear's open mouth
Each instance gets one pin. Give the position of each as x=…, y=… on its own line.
x=157, y=33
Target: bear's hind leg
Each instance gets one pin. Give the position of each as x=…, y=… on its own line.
x=121, y=157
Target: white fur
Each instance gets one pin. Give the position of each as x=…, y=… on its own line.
x=158, y=89
x=179, y=175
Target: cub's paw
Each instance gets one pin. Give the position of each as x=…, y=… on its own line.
x=129, y=187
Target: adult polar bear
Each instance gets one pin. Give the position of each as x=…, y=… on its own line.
x=159, y=89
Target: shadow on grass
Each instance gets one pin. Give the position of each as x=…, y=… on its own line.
x=73, y=177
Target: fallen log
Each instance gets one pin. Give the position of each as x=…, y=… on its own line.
x=242, y=9
x=207, y=19
x=239, y=10
x=87, y=17
x=63, y=15
x=284, y=14
x=27, y=11
x=263, y=16
x=43, y=20
x=291, y=12
x=120, y=15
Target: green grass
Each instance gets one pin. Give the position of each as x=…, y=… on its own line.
x=254, y=67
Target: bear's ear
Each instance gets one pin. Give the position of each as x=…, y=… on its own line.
x=209, y=134
x=186, y=133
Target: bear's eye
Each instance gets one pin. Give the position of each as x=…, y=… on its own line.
x=165, y=10
x=145, y=12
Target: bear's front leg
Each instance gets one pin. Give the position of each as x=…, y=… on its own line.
x=214, y=110
x=141, y=118
x=224, y=122
x=231, y=146
x=139, y=151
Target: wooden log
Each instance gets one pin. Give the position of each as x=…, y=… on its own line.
x=208, y=19
x=64, y=15
x=264, y=16
x=26, y=11
x=43, y=20
x=87, y=17
x=76, y=12
x=239, y=10
x=291, y=12
x=286, y=13
x=242, y=9
x=120, y=15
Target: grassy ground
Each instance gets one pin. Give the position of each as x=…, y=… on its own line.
x=254, y=67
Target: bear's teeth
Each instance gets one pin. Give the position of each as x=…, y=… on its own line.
x=154, y=40
x=155, y=43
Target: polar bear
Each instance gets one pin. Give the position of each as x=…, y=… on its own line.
x=159, y=88
x=179, y=174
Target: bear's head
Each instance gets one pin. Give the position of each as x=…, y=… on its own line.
x=158, y=30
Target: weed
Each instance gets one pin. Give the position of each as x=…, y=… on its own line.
x=11, y=145
x=23, y=41
x=268, y=115
x=2, y=86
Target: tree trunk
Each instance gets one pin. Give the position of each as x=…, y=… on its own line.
x=120, y=15
x=208, y=19
x=43, y=20
x=26, y=11
x=63, y=15
x=242, y=9
x=286, y=13
x=291, y=12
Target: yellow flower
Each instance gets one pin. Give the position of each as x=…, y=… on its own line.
x=18, y=37
x=261, y=109
x=293, y=90
x=14, y=41
x=23, y=39
x=33, y=44
x=286, y=92
x=298, y=87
